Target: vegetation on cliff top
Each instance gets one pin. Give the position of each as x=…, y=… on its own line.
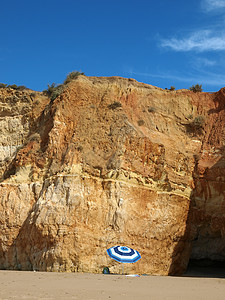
x=13, y=86
x=196, y=88
x=71, y=76
x=54, y=90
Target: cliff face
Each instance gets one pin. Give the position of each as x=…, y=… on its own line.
x=111, y=161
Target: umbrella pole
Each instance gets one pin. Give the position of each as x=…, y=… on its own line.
x=122, y=268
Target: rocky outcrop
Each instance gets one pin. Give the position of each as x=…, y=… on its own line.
x=209, y=181
x=111, y=161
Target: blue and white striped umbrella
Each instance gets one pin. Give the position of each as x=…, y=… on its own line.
x=124, y=254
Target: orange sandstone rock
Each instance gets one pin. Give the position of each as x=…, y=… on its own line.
x=111, y=161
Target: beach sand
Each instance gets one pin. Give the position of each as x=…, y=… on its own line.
x=48, y=286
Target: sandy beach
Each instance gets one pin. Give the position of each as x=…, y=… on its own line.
x=48, y=286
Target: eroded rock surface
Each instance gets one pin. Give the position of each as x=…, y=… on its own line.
x=111, y=161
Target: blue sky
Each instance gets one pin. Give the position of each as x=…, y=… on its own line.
x=164, y=43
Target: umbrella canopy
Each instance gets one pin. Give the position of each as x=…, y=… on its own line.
x=124, y=254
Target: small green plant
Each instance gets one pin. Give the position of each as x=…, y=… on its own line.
x=172, y=88
x=196, y=88
x=13, y=86
x=71, y=76
x=37, y=102
x=53, y=90
x=57, y=91
x=196, y=126
x=16, y=87
x=50, y=89
x=79, y=148
x=3, y=85
x=199, y=121
x=33, y=95
x=21, y=87
x=114, y=105
x=151, y=109
x=141, y=122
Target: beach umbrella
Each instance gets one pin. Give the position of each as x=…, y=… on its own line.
x=124, y=254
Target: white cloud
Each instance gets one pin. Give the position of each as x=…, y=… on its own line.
x=205, y=62
x=202, y=40
x=210, y=5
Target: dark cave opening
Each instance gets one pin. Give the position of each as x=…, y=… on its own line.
x=205, y=268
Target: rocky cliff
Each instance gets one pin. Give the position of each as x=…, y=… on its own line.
x=111, y=161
